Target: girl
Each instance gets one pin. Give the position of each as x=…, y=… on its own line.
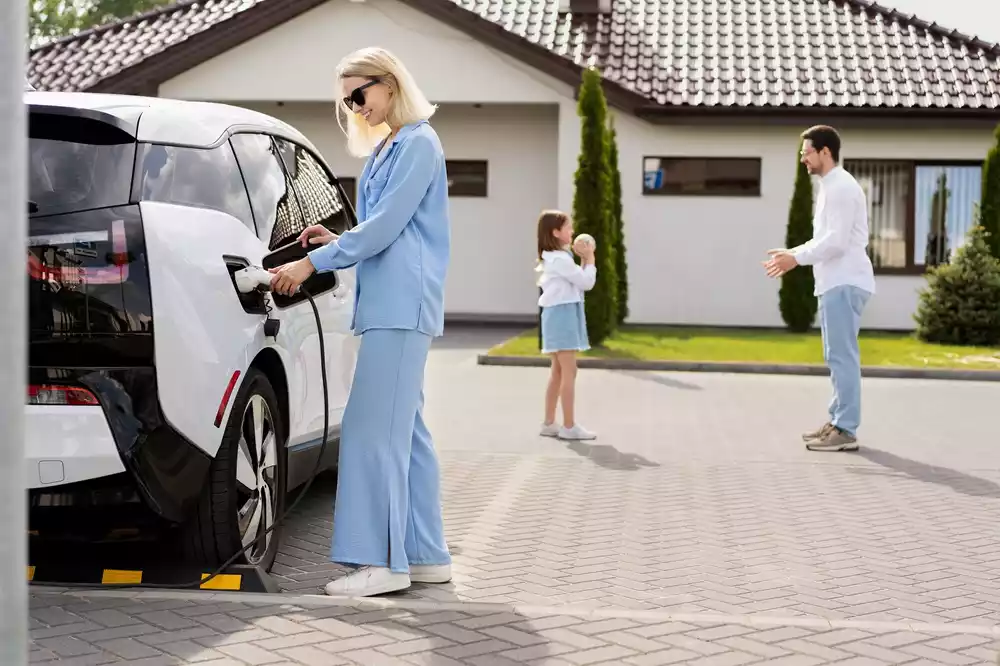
x=564, y=324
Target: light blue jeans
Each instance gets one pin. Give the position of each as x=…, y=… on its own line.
x=840, y=311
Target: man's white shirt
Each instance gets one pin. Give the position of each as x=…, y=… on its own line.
x=837, y=251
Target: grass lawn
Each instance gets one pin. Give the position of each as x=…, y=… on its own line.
x=765, y=346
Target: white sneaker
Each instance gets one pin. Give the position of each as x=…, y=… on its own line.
x=368, y=581
x=576, y=432
x=430, y=573
x=549, y=430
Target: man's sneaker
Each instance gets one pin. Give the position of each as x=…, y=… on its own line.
x=549, y=430
x=834, y=440
x=817, y=434
x=430, y=573
x=576, y=432
x=368, y=581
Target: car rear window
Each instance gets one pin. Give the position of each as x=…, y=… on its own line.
x=77, y=164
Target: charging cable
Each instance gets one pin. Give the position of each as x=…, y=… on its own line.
x=247, y=280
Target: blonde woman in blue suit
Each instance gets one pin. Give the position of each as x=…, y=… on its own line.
x=387, y=518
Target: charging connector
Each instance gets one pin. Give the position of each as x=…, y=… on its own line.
x=253, y=278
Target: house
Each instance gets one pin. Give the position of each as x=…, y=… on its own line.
x=709, y=98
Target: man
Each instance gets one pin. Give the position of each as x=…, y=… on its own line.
x=845, y=281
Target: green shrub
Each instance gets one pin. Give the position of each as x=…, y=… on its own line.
x=961, y=303
x=592, y=206
x=796, y=300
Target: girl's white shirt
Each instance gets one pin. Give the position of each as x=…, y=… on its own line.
x=562, y=280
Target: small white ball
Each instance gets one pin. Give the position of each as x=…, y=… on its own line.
x=586, y=238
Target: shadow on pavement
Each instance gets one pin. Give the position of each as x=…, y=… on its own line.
x=662, y=379
x=960, y=482
x=609, y=457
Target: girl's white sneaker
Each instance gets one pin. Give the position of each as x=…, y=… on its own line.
x=576, y=432
x=430, y=573
x=549, y=430
x=368, y=581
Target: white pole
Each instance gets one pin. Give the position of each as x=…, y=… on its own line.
x=13, y=331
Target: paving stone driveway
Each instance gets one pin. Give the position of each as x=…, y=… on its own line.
x=697, y=529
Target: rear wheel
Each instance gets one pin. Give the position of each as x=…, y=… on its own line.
x=244, y=494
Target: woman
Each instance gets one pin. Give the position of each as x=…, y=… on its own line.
x=387, y=518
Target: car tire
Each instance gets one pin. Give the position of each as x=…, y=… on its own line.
x=241, y=480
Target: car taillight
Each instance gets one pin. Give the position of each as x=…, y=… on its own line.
x=44, y=394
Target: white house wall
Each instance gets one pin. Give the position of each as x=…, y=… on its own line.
x=296, y=60
x=696, y=260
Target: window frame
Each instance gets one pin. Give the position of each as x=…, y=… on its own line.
x=912, y=268
x=756, y=194
x=485, y=192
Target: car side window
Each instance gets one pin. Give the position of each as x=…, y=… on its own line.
x=202, y=177
x=319, y=197
x=275, y=207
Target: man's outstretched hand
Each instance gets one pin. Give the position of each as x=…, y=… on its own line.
x=781, y=262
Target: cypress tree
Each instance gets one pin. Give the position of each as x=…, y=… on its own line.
x=990, y=205
x=592, y=206
x=618, y=223
x=796, y=301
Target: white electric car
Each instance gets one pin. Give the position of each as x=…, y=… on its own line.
x=158, y=393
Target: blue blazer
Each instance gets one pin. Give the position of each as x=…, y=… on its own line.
x=402, y=245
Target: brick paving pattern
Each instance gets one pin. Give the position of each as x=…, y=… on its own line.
x=158, y=632
x=913, y=543
x=701, y=533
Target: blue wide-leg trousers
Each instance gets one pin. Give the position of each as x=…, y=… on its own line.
x=840, y=311
x=388, y=505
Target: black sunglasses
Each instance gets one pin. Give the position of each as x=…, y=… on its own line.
x=357, y=97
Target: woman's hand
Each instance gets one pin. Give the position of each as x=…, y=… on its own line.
x=316, y=234
x=288, y=277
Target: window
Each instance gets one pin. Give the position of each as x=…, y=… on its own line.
x=318, y=194
x=275, y=207
x=918, y=212
x=77, y=164
x=203, y=177
x=350, y=187
x=701, y=176
x=467, y=178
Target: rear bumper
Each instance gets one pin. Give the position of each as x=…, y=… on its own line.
x=122, y=452
x=65, y=445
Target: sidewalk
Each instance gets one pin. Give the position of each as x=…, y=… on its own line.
x=695, y=530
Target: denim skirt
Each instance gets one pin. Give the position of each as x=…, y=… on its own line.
x=564, y=328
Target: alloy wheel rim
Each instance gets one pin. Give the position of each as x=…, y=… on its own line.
x=256, y=478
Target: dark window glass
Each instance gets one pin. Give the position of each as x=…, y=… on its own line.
x=275, y=208
x=350, y=187
x=701, y=176
x=202, y=177
x=467, y=178
x=77, y=164
x=318, y=195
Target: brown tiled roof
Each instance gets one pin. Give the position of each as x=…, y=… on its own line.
x=654, y=54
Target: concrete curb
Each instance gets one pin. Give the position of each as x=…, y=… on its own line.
x=744, y=368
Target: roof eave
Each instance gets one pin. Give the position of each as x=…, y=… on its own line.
x=664, y=113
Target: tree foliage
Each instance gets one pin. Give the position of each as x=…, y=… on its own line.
x=592, y=210
x=961, y=303
x=618, y=223
x=796, y=300
x=990, y=203
x=53, y=19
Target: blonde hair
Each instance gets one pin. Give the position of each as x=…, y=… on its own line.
x=406, y=105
